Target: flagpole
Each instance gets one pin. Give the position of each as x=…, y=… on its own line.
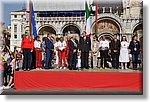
x=30, y=17
x=96, y=18
x=87, y=16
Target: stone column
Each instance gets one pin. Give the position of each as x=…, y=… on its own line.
x=128, y=12
x=117, y=10
x=103, y=9
x=110, y=9
x=12, y=35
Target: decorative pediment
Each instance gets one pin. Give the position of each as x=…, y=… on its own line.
x=107, y=26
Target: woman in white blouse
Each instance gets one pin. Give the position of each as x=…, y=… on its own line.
x=38, y=53
x=61, y=52
x=56, y=50
x=124, y=53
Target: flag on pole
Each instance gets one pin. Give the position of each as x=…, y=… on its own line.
x=96, y=11
x=96, y=17
x=33, y=22
x=88, y=28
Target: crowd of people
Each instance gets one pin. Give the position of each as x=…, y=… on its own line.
x=78, y=53
x=7, y=67
x=72, y=52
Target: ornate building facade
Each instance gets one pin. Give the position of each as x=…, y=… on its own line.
x=122, y=17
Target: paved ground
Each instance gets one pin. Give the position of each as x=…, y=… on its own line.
x=72, y=92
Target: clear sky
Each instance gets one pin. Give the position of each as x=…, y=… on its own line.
x=7, y=7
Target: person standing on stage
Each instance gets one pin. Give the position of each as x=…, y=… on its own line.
x=95, y=48
x=62, y=52
x=73, y=50
x=27, y=46
x=49, y=51
x=56, y=50
x=84, y=47
x=38, y=53
x=115, y=51
x=104, y=46
x=43, y=51
x=124, y=53
x=134, y=50
x=67, y=48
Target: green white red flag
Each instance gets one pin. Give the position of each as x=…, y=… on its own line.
x=87, y=16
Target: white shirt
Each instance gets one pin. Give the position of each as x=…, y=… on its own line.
x=37, y=44
x=61, y=45
x=7, y=56
x=94, y=46
x=124, y=45
x=56, y=44
x=104, y=44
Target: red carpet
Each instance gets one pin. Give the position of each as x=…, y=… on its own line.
x=49, y=79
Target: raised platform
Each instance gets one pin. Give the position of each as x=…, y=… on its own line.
x=58, y=79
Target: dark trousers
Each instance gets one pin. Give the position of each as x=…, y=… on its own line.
x=103, y=54
x=72, y=60
x=84, y=59
x=5, y=79
x=33, y=60
x=115, y=60
x=134, y=60
x=27, y=58
x=48, y=63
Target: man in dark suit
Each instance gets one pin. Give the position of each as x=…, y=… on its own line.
x=49, y=51
x=73, y=49
x=115, y=51
x=84, y=47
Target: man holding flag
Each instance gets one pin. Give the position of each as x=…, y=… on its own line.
x=84, y=47
x=85, y=41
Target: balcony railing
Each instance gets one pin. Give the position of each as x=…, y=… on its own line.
x=59, y=19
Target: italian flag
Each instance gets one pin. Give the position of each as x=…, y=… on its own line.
x=87, y=16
